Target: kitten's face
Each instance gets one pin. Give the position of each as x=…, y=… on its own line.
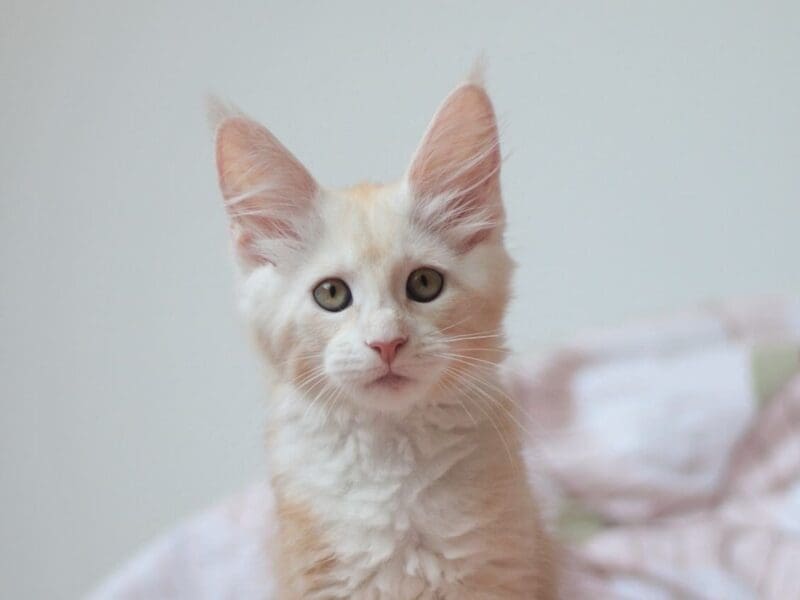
x=383, y=296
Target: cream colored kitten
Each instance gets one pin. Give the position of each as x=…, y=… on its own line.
x=393, y=447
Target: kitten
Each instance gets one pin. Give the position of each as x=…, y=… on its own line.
x=393, y=447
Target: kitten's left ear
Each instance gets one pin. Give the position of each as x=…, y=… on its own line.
x=455, y=173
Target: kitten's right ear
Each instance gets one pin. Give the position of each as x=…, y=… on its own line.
x=268, y=193
x=455, y=173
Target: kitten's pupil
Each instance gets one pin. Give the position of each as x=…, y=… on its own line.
x=424, y=280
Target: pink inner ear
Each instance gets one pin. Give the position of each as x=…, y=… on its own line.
x=267, y=191
x=459, y=159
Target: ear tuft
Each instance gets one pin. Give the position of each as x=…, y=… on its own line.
x=218, y=110
x=477, y=73
x=455, y=173
x=268, y=193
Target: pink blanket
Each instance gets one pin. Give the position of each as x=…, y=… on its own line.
x=666, y=455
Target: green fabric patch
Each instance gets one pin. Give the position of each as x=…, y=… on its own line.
x=773, y=366
x=576, y=523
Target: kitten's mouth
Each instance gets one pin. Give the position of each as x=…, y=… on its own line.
x=390, y=380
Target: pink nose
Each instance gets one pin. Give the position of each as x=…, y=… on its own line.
x=387, y=350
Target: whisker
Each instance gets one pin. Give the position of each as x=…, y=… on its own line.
x=489, y=365
x=325, y=389
x=511, y=401
x=497, y=388
x=452, y=388
x=309, y=378
x=456, y=324
x=492, y=422
x=466, y=357
x=484, y=348
x=497, y=340
x=299, y=357
x=333, y=399
x=473, y=336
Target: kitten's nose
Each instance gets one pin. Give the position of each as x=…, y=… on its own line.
x=388, y=350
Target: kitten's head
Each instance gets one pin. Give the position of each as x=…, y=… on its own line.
x=381, y=295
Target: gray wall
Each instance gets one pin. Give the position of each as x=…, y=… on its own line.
x=653, y=153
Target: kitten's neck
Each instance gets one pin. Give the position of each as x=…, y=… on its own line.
x=342, y=447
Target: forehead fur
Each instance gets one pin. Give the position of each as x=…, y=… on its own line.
x=369, y=225
x=368, y=216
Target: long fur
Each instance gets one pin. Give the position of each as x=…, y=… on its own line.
x=414, y=490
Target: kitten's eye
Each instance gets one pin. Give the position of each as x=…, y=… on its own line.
x=424, y=284
x=333, y=295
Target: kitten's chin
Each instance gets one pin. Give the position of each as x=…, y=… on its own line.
x=391, y=392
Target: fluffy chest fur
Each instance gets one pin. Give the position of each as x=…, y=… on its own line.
x=434, y=505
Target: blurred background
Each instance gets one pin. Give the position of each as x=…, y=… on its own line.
x=653, y=153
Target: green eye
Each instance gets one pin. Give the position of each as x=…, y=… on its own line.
x=424, y=284
x=333, y=295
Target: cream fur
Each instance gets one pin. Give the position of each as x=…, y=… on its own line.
x=383, y=492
